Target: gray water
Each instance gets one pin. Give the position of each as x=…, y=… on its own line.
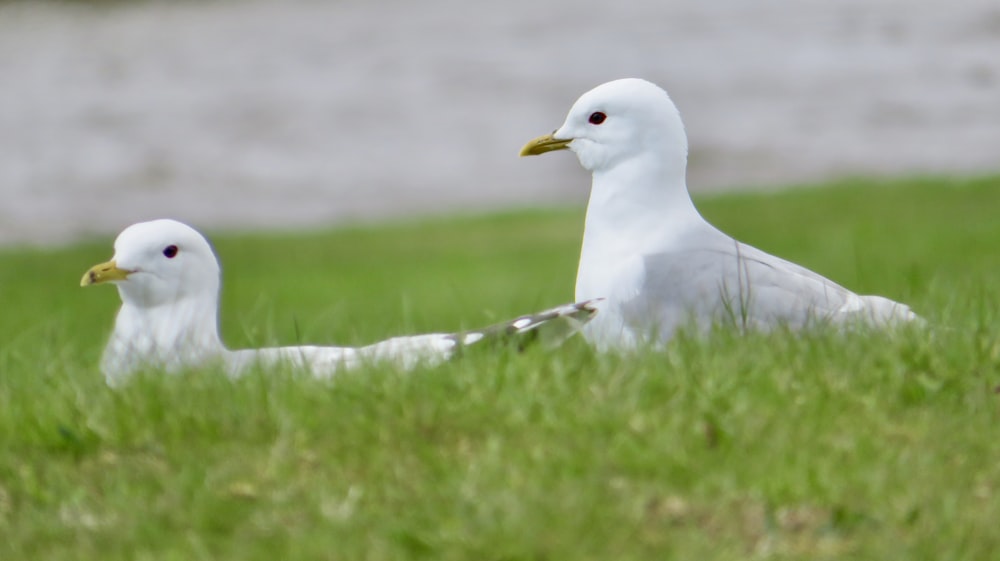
x=284, y=114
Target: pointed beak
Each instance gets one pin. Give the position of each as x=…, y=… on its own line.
x=104, y=272
x=545, y=143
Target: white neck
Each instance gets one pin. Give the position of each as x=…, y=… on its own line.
x=182, y=334
x=639, y=204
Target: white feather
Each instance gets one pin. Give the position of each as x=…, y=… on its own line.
x=648, y=251
x=169, y=317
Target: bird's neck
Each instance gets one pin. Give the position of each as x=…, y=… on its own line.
x=180, y=335
x=639, y=206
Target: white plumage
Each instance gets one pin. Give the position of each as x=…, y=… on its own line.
x=652, y=256
x=168, y=278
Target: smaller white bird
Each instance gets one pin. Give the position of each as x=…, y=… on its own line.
x=168, y=278
x=651, y=255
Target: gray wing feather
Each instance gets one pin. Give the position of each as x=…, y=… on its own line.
x=719, y=280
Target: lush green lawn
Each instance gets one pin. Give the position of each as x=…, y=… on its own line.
x=857, y=446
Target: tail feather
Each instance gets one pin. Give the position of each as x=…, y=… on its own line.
x=550, y=327
x=881, y=311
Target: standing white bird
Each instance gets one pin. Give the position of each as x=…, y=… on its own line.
x=168, y=278
x=649, y=253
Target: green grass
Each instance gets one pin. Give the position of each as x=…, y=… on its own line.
x=818, y=446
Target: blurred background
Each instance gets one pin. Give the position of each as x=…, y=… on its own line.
x=296, y=113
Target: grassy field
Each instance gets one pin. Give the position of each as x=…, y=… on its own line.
x=819, y=446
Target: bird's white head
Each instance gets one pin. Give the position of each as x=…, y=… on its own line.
x=616, y=122
x=159, y=263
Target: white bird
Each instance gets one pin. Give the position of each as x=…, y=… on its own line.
x=168, y=278
x=648, y=252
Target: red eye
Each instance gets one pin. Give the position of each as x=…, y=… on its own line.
x=597, y=118
x=170, y=251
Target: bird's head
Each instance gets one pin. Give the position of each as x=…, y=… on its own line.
x=158, y=263
x=615, y=122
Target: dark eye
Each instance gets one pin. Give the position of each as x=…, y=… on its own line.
x=170, y=251
x=597, y=118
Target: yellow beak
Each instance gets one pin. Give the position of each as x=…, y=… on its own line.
x=543, y=144
x=104, y=272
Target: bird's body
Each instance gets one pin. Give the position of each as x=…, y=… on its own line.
x=186, y=337
x=650, y=254
x=168, y=279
